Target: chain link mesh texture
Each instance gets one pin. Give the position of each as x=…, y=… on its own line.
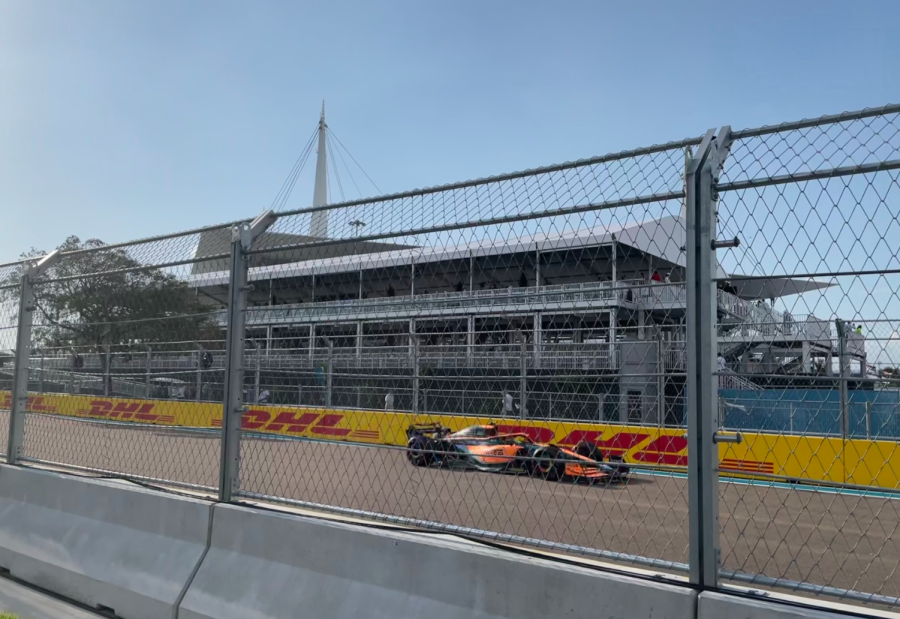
x=813, y=359
x=120, y=330
x=503, y=301
x=505, y=358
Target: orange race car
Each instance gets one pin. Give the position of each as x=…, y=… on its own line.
x=483, y=448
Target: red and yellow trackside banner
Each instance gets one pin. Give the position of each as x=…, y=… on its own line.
x=856, y=461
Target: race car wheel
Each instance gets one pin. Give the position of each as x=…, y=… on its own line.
x=590, y=450
x=420, y=451
x=545, y=465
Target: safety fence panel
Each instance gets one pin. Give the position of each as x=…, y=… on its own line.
x=104, y=315
x=10, y=292
x=485, y=317
x=814, y=205
x=508, y=358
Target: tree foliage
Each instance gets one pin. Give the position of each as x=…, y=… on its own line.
x=106, y=298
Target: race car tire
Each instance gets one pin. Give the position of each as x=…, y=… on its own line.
x=420, y=451
x=618, y=464
x=586, y=449
x=545, y=465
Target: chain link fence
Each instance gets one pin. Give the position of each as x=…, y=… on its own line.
x=815, y=205
x=574, y=358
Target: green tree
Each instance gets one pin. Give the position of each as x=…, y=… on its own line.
x=105, y=299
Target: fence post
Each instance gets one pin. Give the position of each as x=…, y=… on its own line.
x=41, y=376
x=242, y=237
x=16, y=439
x=703, y=491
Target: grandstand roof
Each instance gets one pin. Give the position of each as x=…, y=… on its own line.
x=662, y=238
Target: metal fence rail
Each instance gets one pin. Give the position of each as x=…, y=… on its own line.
x=720, y=312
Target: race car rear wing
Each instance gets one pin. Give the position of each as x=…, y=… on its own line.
x=425, y=428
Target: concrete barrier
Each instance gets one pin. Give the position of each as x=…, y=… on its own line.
x=265, y=564
x=102, y=543
x=719, y=605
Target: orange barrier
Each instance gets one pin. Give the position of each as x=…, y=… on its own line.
x=856, y=461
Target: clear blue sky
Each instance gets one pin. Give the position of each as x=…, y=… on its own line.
x=123, y=119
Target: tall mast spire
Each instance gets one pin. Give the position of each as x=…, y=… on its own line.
x=319, y=224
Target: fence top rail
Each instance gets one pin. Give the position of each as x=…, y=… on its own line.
x=830, y=119
x=154, y=239
x=637, y=152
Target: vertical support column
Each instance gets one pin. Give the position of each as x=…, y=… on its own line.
x=614, y=254
x=415, y=377
x=107, y=378
x=413, y=354
x=41, y=376
x=360, y=284
x=470, y=340
x=538, y=338
x=269, y=329
x=523, y=379
x=359, y=348
x=312, y=295
x=660, y=380
x=868, y=419
x=537, y=268
x=147, y=369
x=844, y=363
x=412, y=279
x=641, y=324
x=471, y=273
x=703, y=490
x=329, y=373
x=242, y=237
x=16, y=439
x=257, y=372
x=199, y=373
x=312, y=342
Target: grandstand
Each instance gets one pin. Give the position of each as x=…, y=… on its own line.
x=586, y=324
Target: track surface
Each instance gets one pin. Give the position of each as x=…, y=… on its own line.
x=842, y=540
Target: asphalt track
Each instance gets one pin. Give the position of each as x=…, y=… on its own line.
x=845, y=540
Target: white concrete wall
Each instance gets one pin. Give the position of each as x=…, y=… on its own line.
x=100, y=543
x=137, y=552
x=267, y=564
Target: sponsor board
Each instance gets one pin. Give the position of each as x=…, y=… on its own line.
x=856, y=461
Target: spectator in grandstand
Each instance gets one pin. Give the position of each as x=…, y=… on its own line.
x=523, y=280
x=721, y=365
x=508, y=404
x=858, y=329
x=656, y=277
x=389, y=401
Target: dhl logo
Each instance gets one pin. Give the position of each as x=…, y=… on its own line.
x=324, y=425
x=126, y=411
x=35, y=404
